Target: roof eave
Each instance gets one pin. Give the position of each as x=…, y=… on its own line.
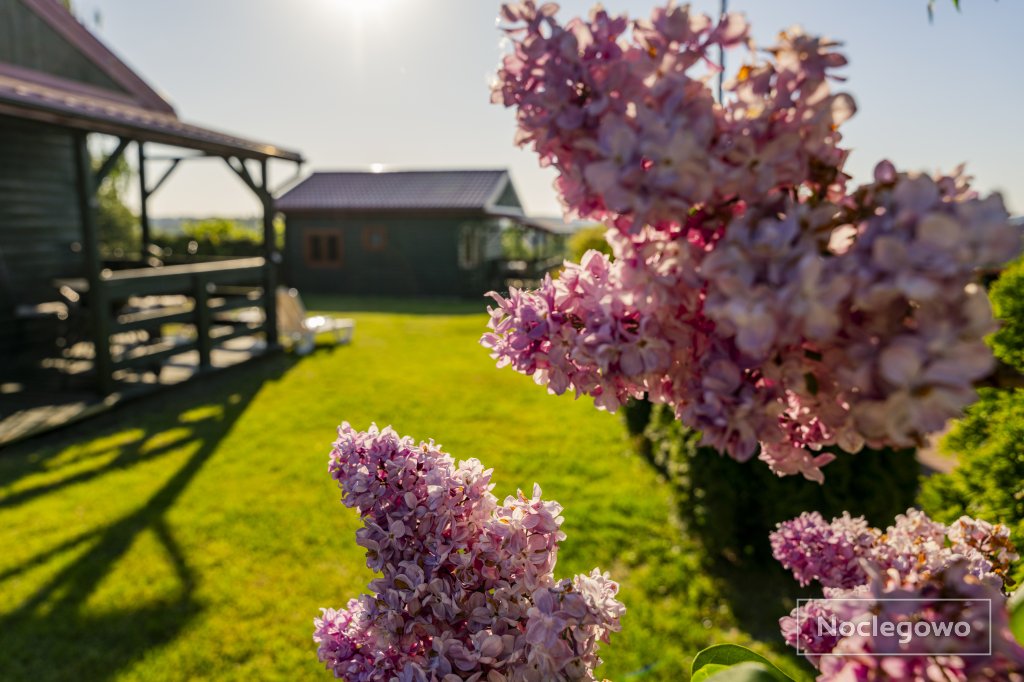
x=87, y=123
x=472, y=212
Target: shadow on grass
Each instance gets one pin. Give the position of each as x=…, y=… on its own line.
x=411, y=305
x=49, y=634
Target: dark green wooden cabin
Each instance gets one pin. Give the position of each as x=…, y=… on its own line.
x=411, y=233
x=70, y=108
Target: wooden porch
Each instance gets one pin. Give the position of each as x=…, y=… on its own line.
x=137, y=318
x=134, y=331
x=108, y=332
x=28, y=410
x=537, y=247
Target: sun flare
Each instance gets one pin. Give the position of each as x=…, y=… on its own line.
x=362, y=9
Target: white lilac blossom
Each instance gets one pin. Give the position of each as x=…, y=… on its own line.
x=777, y=310
x=917, y=571
x=466, y=588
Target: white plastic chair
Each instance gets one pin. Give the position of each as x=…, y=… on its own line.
x=297, y=327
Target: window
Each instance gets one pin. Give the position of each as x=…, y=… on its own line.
x=323, y=248
x=375, y=238
x=470, y=246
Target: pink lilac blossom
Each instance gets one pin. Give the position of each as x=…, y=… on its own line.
x=800, y=628
x=776, y=309
x=830, y=553
x=917, y=571
x=837, y=554
x=466, y=588
x=952, y=595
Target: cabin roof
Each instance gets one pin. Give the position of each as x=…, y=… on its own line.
x=137, y=112
x=64, y=24
x=426, y=190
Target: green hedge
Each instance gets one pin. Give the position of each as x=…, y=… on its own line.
x=1007, y=296
x=733, y=506
x=988, y=482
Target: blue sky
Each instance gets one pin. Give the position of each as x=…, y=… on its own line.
x=404, y=83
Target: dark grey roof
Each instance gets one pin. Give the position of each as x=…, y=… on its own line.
x=42, y=97
x=440, y=190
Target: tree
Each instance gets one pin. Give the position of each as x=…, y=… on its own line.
x=118, y=227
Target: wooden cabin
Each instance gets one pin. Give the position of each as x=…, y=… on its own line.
x=61, y=92
x=411, y=233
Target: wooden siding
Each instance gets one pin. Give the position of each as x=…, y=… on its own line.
x=27, y=41
x=39, y=219
x=420, y=255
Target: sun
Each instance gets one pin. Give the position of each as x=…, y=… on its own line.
x=362, y=9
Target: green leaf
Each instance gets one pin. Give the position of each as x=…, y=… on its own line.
x=742, y=672
x=707, y=671
x=727, y=655
x=1016, y=607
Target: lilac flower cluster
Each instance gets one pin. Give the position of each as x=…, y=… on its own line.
x=836, y=554
x=917, y=571
x=775, y=309
x=466, y=590
x=830, y=553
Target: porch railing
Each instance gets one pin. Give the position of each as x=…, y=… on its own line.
x=201, y=295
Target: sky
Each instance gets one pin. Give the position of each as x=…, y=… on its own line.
x=404, y=83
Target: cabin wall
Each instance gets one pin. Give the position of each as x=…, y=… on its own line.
x=27, y=41
x=39, y=217
x=392, y=255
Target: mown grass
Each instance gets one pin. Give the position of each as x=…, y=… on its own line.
x=195, y=534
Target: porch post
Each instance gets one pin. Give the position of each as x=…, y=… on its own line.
x=143, y=201
x=99, y=307
x=271, y=255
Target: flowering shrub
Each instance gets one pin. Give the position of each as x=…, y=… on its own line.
x=466, y=589
x=731, y=507
x=771, y=305
x=915, y=559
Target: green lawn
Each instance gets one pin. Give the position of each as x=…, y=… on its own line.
x=195, y=534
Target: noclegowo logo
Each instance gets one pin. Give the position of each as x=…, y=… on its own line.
x=895, y=627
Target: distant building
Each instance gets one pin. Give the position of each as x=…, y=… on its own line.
x=433, y=233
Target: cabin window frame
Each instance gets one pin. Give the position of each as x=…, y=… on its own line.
x=374, y=238
x=470, y=246
x=316, y=251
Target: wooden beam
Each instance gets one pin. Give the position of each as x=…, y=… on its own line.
x=178, y=157
x=144, y=202
x=98, y=306
x=163, y=178
x=243, y=172
x=272, y=256
x=201, y=295
x=111, y=161
x=145, y=193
